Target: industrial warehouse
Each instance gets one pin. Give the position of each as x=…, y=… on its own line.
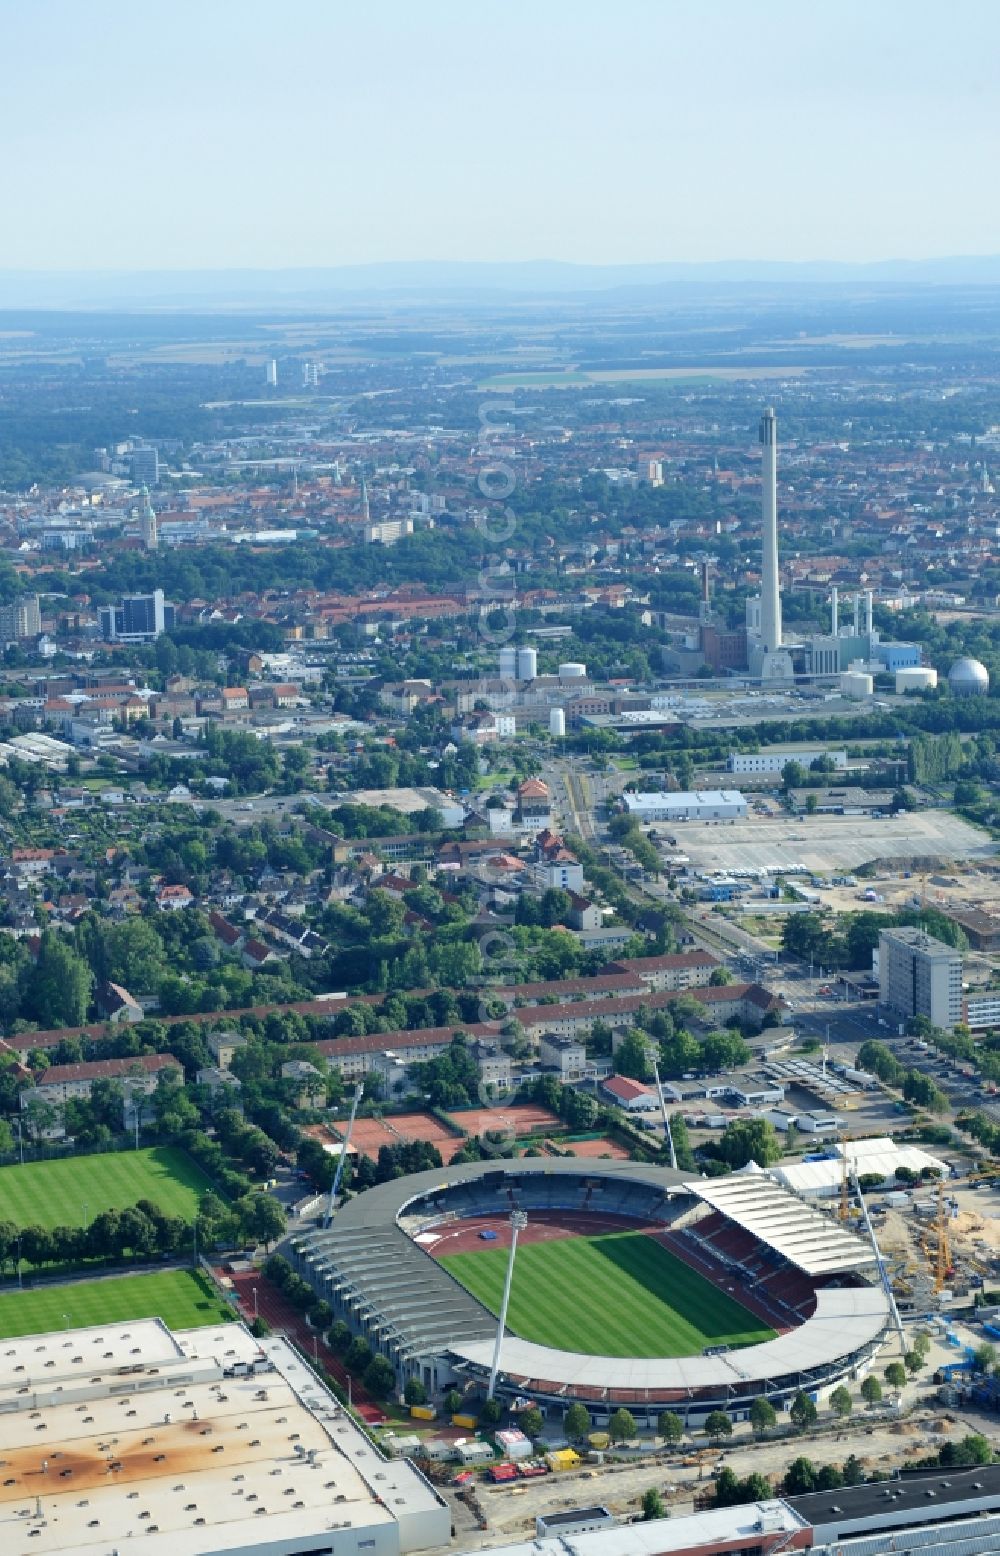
x=202, y=1442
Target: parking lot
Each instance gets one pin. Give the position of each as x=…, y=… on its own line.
x=825, y=844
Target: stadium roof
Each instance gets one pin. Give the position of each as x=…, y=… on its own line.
x=773, y=1215
x=390, y=1280
x=417, y=1308
x=844, y=1321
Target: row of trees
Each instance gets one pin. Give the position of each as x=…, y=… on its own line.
x=878, y=1059
x=142, y=1231
x=848, y=940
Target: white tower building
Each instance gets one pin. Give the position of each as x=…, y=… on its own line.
x=148, y=529
x=770, y=596
x=272, y=374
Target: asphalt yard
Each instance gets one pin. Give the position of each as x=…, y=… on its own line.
x=829, y=843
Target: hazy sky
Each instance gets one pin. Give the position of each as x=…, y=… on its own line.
x=174, y=134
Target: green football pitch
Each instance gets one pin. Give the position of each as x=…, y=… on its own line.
x=182, y=1298
x=73, y=1190
x=616, y=1295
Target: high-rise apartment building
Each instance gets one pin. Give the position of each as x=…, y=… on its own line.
x=140, y=618
x=20, y=618
x=920, y=976
x=144, y=466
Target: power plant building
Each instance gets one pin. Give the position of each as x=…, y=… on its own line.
x=762, y=646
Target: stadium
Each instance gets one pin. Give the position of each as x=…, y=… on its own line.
x=633, y=1285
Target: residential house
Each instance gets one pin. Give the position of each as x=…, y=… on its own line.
x=223, y=1084
x=566, y=1055
x=116, y=1004
x=534, y=806
x=139, y=1075
x=223, y=1046
x=676, y=970
x=308, y=1086
x=256, y=954
x=494, y=1065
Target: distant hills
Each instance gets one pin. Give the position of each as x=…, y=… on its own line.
x=464, y=281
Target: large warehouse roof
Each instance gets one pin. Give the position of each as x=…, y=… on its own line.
x=203, y=1441
x=804, y=1236
x=684, y=800
x=844, y=1321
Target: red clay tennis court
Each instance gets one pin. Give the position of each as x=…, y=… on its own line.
x=591, y=1148
x=520, y=1118
x=370, y=1134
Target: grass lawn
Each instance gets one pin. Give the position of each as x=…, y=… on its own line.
x=74, y=1189
x=618, y=1295
x=182, y=1298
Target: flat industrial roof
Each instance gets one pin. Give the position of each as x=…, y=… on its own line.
x=127, y=1430
x=684, y=799
x=714, y=1526
x=913, y=1493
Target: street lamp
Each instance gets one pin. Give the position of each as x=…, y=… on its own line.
x=255, y=1302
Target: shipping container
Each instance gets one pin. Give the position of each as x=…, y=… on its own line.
x=423, y=1412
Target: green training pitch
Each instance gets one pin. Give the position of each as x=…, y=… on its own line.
x=617, y=1295
x=74, y=1189
x=182, y=1298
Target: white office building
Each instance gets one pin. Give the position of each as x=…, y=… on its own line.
x=704, y=805
x=776, y=761
x=919, y=976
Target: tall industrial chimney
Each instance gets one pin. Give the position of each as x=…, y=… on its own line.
x=834, y=613
x=857, y=615
x=770, y=598
x=869, y=600
x=704, y=583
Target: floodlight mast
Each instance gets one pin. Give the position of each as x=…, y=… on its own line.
x=331, y=1203
x=883, y=1272
x=667, y=1131
x=518, y=1222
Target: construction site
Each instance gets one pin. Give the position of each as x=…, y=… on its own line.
x=940, y=1246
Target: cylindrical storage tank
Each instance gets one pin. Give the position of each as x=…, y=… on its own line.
x=557, y=723
x=527, y=664
x=508, y=664
x=969, y=678
x=573, y=670
x=915, y=678
x=855, y=683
